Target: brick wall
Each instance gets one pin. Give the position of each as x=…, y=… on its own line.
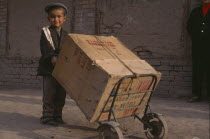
x=170, y=55
x=20, y=71
x=17, y=72
x=84, y=19
x=176, y=72
x=3, y=26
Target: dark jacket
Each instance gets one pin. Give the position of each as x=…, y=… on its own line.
x=47, y=51
x=198, y=27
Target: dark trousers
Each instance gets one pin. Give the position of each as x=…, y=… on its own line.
x=201, y=76
x=53, y=97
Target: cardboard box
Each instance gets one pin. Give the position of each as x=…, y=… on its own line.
x=89, y=67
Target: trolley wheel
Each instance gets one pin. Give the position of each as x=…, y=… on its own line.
x=158, y=124
x=107, y=131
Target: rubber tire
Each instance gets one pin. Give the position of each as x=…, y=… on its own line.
x=109, y=132
x=159, y=125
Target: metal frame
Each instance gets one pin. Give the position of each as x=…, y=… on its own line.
x=146, y=117
x=112, y=111
x=115, y=94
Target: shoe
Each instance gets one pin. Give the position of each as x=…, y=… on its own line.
x=48, y=121
x=59, y=120
x=194, y=99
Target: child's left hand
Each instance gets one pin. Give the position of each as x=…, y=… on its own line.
x=53, y=60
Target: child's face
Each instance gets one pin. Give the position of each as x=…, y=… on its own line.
x=57, y=18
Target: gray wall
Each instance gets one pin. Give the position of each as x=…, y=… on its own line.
x=3, y=26
x=195, y=3
x=19, y=59
x=150, y=28
x=155, y=25
x=156, y=31
x=26, y=19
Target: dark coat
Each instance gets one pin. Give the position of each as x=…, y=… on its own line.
x=198, y=27
x=47, y=51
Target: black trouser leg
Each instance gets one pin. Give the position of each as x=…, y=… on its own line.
x=49, y=93
x=59, y=100
x=208, y=80
x=197, y=78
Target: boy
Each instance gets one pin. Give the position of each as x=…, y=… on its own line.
x=50, y=44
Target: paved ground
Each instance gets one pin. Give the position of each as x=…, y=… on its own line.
x=20, y=111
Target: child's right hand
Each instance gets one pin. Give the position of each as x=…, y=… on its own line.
x=53, y=60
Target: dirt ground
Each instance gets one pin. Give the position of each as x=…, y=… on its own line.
x=20, y=111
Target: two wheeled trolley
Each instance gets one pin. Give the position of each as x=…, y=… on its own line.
x=154, y=125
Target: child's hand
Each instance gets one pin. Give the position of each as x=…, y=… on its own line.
x=53, y=60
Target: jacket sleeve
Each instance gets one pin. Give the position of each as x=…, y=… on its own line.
x=46, y=49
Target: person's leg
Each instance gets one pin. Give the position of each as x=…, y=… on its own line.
x=59, y=103
x=196, y=79
x=49, y=92
x=208, y=81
